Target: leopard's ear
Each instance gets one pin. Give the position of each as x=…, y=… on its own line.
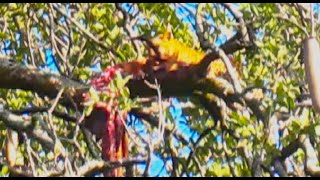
x=167, y=35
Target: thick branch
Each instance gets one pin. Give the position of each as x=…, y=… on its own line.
x=239, y=18
x=180, y=82
x=98, y=166
x=19, y=123
x=311, y=158
x=29, y=78
x=17, y=76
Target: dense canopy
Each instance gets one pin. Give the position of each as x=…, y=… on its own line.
x=253, y=119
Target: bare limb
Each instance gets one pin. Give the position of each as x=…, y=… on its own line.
x=239, y=18
x=19, y=123
x=196, y=144
x=147, y=117
x=29, y=42
x=312, y=21
x=231, y=70
x=301, y=13
x=311, y=158
x=11, y=147
x=128, y=24
x=32, y=164
x=225, y=149
x=99, y=166
x=91, y=144
x=29, y=78
x=85, y=31
x=64, y=116
x=54, y=104
x=279, y=168
x=174, y=155
x=280, y=16
x=148, y=164
x=204, y=43
x=289, y=150
x=161, y=121
x=53, y=44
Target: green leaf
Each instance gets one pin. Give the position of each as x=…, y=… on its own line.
x=317, y=130
x=88, y=110
x=4, y=170
x=93, y=94
x=98, y=26
x=50, y=155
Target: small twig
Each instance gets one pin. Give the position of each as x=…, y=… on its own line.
x=36, y=156
x=5, y=57
x=99, y=166
x=311, y=158
x=28, y=148
x=296, y=168
x=146, y=117
x=231, y=70
x=81, y=54
x=69, y=43
x=239, y=18
x=151, y=86
x=191, y=13
x=174, y=155
x=161, y=122
x=63, y=56
x=78, y=122
x=85, y=31
x=91, y=144
x=148, y=164
x=280, y=16
x=279, y=168
x=204, y=43
x=52, y=34
x=18, y=123
x=163, y=167
x=68, y=166
x=59, y=42
x=134, y=140
x=198, y=164
x=305, y=103
x=196, y=144
x=256, y=169
x=29, y=42
x=31, y=110
x=301, y=13
x=225, y=149
x=51, y=109
x=75, y=143
x=128, y=24
x=312, y=21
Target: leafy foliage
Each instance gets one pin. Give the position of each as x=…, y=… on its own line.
x=193, y=142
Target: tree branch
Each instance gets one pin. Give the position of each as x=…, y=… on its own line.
x=99, y=166
x=128, y=24
x=311, y=158
x=204, y=43
x=18, y=123
x=239, y=18
x=85, y=31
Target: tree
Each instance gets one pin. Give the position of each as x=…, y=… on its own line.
x=260, y=123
